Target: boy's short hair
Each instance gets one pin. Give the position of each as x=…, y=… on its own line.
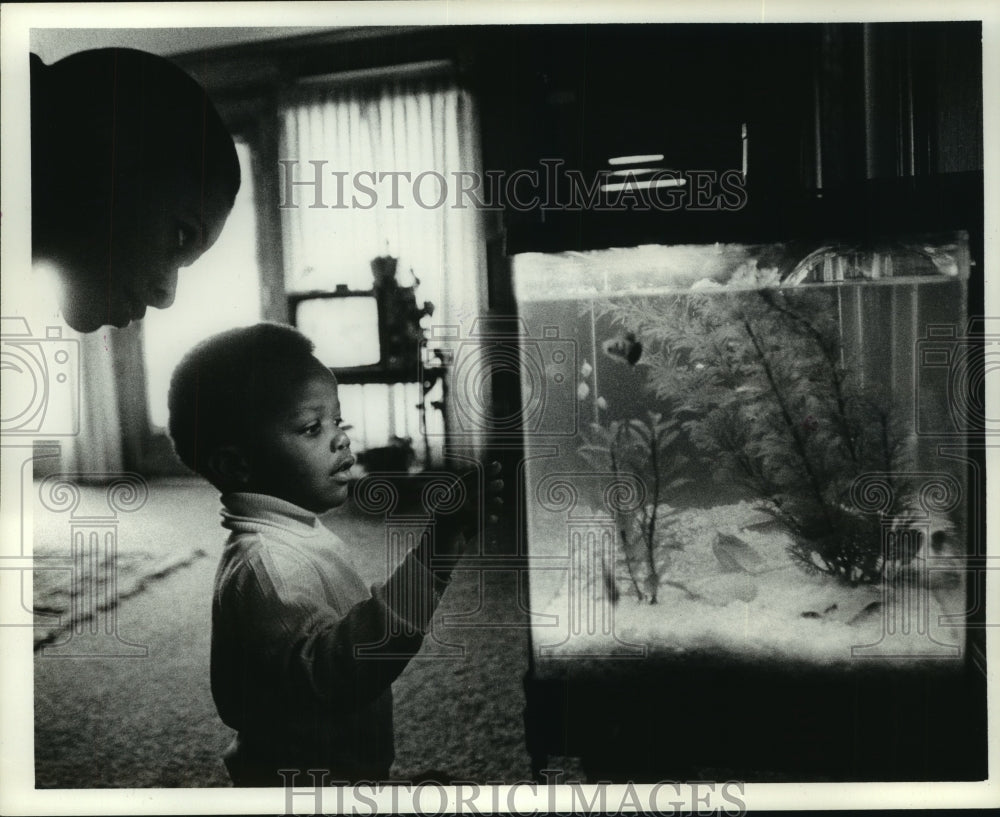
x=228, y=384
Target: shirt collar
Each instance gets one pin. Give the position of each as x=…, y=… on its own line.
x=241, y=509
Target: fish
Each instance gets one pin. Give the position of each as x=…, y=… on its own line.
x=582, y=390
x=586, y=369
x=623, y=347
x=734, y=554
x=764, y=526
x=870, y=610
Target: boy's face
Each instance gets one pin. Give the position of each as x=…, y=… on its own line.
x=302, y=455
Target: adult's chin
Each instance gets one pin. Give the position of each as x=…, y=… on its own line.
x=84, y=305
x=88, y=314
x=83, y=321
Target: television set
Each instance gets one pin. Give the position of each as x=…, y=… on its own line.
x=344, y=327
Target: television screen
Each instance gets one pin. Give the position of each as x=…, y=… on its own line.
x=344, y=329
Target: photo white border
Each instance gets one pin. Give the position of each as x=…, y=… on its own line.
x=17, y=796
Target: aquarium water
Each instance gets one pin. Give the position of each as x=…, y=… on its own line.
x=750, y=453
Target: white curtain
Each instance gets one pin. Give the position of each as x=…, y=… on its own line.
x=83, y=398
x=98, y=447
x=408, y=126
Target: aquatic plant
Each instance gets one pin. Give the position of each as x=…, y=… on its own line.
x=646, y=450
x=763, y=384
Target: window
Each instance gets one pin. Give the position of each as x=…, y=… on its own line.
x=218, y=292
x=398, y=136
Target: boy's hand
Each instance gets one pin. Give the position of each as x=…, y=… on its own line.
x=479, y=494
x=492, y=495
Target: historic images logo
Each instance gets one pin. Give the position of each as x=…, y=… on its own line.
x=550, y=187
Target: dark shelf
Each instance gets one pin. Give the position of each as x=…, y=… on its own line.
x=861, y=212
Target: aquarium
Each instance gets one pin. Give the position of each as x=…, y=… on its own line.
x=750, y=453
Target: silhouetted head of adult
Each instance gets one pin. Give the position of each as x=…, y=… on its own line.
x=133, y=176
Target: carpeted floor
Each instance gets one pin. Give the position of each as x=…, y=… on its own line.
x=128, y=722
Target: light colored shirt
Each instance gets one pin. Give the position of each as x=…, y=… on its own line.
x=303, y=653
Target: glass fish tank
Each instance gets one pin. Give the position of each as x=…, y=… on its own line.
x=751, y=453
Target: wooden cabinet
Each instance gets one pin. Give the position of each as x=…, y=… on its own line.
x=826, y=110
x=898, y=101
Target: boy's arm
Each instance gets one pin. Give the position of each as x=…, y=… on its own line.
x=310, y=649
x=356, y=655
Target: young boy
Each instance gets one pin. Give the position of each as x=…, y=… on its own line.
x=258, y=415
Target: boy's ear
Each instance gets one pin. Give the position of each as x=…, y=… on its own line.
x=229, y=465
